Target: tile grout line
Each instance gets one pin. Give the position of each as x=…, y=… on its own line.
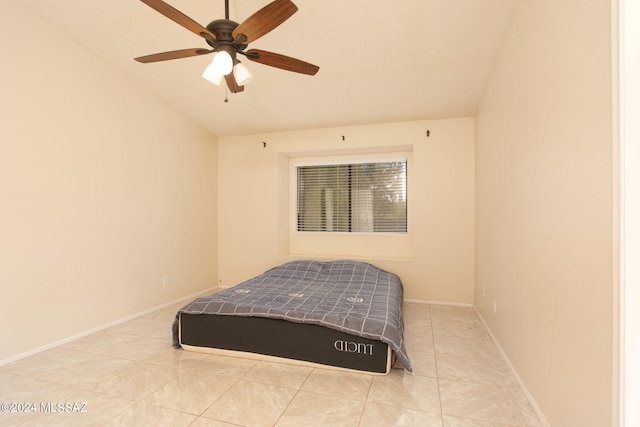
x=366, y=399
x=435, y=362
x=294, y=396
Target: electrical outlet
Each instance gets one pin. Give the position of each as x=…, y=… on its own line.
x=165, y=280
x=482, y=291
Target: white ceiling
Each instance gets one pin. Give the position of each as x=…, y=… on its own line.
x=380, y=61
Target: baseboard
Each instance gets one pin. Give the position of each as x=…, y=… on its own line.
x=532, y=401
x=101, y=328
x=519, y=381
x=455, y=304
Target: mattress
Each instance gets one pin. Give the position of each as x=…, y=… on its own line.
x=340, y=313
x=283, y=341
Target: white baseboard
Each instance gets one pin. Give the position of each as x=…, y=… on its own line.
x=534, y=405
x=532, y=401
x=100, y=328
x=455, y=304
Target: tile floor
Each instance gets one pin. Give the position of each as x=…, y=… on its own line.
x=129, y=375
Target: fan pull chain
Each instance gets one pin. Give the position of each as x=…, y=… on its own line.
x=226, y=94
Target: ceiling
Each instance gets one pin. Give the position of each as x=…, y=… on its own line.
x=380, y=61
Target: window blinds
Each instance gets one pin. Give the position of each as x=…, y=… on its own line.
x=352, y=197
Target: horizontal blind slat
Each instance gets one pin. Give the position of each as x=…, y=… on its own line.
x=359, y=197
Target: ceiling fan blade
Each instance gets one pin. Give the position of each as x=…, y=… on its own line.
x=231, y=83
x=281, y=61
x=174, y=54
x=265, y=20
x=179, y=17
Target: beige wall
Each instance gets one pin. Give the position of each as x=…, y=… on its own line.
x=104, y=189
x=544, y=206
x=435, y=260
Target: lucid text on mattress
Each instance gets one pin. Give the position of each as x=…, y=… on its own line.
x=353, y=347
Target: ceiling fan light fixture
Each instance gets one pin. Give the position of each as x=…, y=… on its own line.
x=228, y=38
x=242, y=74
x=222, y=62
x=211, y=75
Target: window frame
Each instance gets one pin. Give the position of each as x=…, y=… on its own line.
x=347, y=160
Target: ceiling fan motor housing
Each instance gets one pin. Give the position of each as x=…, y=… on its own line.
x=222, y=29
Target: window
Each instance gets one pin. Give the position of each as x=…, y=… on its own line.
x=353, y=197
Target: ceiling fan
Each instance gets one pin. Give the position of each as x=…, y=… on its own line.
x=228, y=39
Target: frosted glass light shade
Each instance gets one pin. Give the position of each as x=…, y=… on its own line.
x=211, y=75
x=222, y=63
x=242, y=74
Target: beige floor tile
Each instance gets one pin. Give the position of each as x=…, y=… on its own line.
x=450, y=421
x=191, y=392
x=376, y=415
x=70, y=367
x=232, y=367
x=20, y=390
x=137, y=382
x=208, y=422
x=311, y=409
x=144, y=414
x=417, y=307
x=86, y=374
x=142, y=326
x=417, y=317
x=15, y=417
x=483, y=331
x=406, y=391
x=424, y=364
x=177, y=358
x=455, y=328
x=14, y=388
x=469, y=346
x=473, y=369
x=84, y=409
x=340, y=384
x=417, y=322
x=163, y=333
x=280, y=374
x=99, y=342
x=420, y=349
x=483, y=402
x=167, y=314
x=139, y=349
x=251, y=404
x=528, y=413
x=452, y=313
x=46, y=363
x=418, y=341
